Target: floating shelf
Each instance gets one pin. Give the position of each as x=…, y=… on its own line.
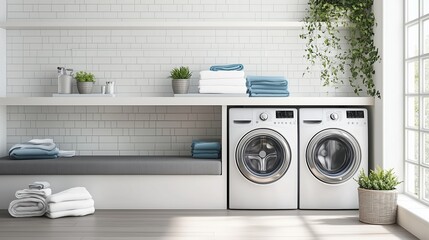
x=186, y=101
x=61, y=25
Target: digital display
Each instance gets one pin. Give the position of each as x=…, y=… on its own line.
x=355, y=114
x=284, y=114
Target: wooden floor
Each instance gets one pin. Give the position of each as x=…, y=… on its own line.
x=199, y=225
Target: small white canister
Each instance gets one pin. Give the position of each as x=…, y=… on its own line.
x=110, y=87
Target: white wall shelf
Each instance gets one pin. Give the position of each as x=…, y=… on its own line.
x=183, y=101
x=61, y=25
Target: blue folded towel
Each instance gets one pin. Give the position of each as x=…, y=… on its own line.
x=33, y=153
x=205, y=145
x=230, y=67
x=206, y=155
x=264, y=84
x=268, y=91
x=269, y=95
x=205, y=151
x=265, y=78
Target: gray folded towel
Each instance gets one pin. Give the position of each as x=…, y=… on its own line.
x=39, y=185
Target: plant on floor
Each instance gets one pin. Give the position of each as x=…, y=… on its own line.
x=180, y=73
x=378, y=179
x=329, y=26
x=84, y=77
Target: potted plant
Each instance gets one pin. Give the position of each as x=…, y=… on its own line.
x=84, y=81
x=378, y=196
x=339, y=35
x=180, y=79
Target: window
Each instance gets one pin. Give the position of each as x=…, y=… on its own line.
x=417, y=99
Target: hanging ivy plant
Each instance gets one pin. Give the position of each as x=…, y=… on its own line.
x=339, y=36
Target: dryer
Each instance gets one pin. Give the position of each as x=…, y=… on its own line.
x=262, y=158
x=333, y=149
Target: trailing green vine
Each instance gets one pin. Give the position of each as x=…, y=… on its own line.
x=339, y=36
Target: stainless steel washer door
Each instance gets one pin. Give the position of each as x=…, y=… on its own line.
x=263, y=156
x=333, y=156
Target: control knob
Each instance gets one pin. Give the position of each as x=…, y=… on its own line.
x=263, y=116
x=334, y=116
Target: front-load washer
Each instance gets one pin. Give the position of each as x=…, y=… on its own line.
x=333, y=150
x=262, y=158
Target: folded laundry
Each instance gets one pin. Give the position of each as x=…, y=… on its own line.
x=71, y=213
x=206, y=155
x=229, y=67
x=223, y=82
x=265, y=78
x=269, y=95
x=26, y=193
x=34, y=153
x=63, y=153
x=70, y=205
x=267, y=84
x=206, y=145
x=76, y=193
x=205, y=151
x=222, y=89
x=268, y=91
x=29, y=145
x=28, y=207
x=39, y=185
x=221, y=74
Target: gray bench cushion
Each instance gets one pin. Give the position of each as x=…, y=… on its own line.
x=112, y=165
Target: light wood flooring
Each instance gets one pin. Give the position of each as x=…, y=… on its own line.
x=199, y=225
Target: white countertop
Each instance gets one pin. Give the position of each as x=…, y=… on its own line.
x=184, y=101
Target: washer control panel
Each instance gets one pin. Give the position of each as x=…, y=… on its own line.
x=347, y=117
x=276, y=117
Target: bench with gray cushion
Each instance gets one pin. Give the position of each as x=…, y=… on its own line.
x=112, y=165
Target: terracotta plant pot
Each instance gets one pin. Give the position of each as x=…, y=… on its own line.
x=85, y=87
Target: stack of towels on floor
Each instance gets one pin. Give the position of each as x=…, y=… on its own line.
x=72, y=202
x=31, y=202
x=223, y=79
x=206, y=149
x=38, y=149
x=267, y=86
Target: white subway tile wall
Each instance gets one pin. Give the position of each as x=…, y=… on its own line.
x=103, y=130
x=162, y=10
x=139, y=62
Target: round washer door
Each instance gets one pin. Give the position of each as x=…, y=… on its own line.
x=333, y=156
x=263, y=156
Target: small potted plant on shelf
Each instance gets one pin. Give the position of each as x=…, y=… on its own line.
x=378, y=196
x=84, y=81
x=180, y=79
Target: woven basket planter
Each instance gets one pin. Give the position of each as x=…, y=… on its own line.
x=180, y=86
x=377, y=207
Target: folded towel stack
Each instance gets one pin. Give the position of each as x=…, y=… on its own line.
x=31, y=202
x=206, y=149
x=223, y=79
x=38, y=149
x=267, y=86
x=72, y=202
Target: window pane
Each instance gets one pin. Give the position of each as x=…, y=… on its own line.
x=412, y=145
x=412, y=41
x=412, y=84
x=412, y=112
x=426, y=75
x=426, y=148
x=425, y=7
x=426, y=184
x=412, y=185
x=426, y=112
x=412, y=9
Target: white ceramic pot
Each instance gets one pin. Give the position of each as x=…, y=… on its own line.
x=85, y=87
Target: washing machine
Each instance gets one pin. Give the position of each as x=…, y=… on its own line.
x=333, y=150
x=262, y=158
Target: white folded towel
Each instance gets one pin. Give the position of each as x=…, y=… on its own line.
x=39, y=185
x=41, y=141
x=28, y=207
x=25, y=193
x=76, y=193
x=223, y=82
x=63, y=153
x=43, y=144
x=221, y=74
x=71, y=213
x=70, y=205
x=223, y=89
